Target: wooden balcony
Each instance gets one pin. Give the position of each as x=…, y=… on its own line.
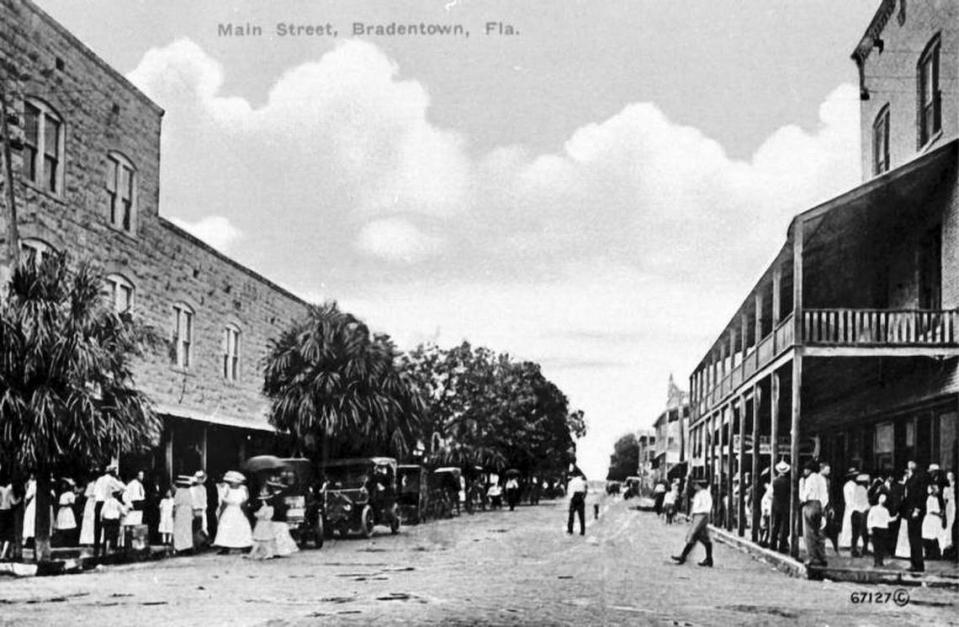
x=880, y=328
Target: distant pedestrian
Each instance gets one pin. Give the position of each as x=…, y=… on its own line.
x=165, y=529
x=264, y=542
x=577, y=490
x=780, y=509
x=659, y=495
x=669, y=503
x=110, y=514
x=814, y=497
x=699, y=524
x=495, y=494
x=512, y=493
x=765, y=510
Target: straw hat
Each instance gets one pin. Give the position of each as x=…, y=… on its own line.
x=782, y=467
x=852, y=472
x=933, y=467
x=184, y=480
x=862, y=478
x=200, y=476
x=264, y=493
x=233, y=476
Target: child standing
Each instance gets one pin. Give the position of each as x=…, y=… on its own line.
x=264, y=542
x=113, y=510
x=165, y=528
x=669, y=503
x=877, y=521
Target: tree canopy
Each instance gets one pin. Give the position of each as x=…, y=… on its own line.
x=331, y=381
x=624, y=461
x=67, y=395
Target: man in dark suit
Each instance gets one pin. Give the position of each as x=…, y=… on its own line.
x=780, y=509
x=894, y=491
x=913, y=509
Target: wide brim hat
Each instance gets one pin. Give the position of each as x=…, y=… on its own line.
x=200, y=476
x=276, y=485
x=184, y=480
x=862, y=478
x=933, y=467
x=68, y=481
x=264, y=493
x=782, y=467
x=852, y=472
x=232, y=476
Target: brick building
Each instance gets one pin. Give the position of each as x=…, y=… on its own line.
x=87, y=181
x=846, y=348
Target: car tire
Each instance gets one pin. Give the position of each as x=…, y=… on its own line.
x=366, y=521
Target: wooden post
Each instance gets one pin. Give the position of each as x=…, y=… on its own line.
x=757, y=497
x=729, y=468
x=796, y=407
x=168, y=453
x=721, y=466
x=732, y=348
x=759, y=317
x=777, y=293
x=203, y=447
x=740, y=462
x=773, y=423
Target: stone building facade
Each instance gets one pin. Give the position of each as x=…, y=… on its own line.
x=87, y=182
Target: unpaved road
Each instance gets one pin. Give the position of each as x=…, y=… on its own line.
x=492, y=568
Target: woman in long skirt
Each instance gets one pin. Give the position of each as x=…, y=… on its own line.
x=264, y=542
x=233, y=530
x=89, y=506
x=66, y=522
x=183, y=514
x=30, y=509
x=285, y=545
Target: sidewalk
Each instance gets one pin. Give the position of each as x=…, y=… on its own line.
x=78, y=559
x=842, y=567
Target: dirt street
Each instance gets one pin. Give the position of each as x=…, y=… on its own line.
x=490, y=568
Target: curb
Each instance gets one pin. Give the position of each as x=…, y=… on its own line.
x=79, y=564
x=783, y=563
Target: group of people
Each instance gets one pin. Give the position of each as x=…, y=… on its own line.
x=870, y=512
x=666, y=501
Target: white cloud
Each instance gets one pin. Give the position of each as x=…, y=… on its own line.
x=614, y=259
x=214, y=230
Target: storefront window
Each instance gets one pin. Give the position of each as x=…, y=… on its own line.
x=884, y=446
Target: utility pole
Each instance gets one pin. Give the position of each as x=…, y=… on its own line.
x=13, y=236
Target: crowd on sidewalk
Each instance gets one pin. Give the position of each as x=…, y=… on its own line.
x=107, y=515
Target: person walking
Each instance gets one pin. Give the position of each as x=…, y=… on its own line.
x=669, y=503
x=698, y=528
x=780, y=509
x=659, y=495
x=512, y=493
x=577, y=489
x=913, y=511
x=814, y=497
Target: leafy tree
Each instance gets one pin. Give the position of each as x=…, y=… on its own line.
x=625, y=458
x=330, y=380
x=67, y=395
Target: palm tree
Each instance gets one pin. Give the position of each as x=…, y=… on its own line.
x=328, y=378
x=66, y=388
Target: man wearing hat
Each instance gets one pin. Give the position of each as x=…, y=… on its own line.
x=780, y=509
x=814, y=497
x=103, y=489
x=698, y=528
x=198, y=492
x=857, y=502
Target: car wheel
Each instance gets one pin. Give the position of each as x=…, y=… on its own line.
x=366, y=522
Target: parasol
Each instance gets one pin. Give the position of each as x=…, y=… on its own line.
x=263, y=462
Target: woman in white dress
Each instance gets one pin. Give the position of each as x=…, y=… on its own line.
x=949, y=498
x=89, y=506
x=285, y=545
x=30, y=509
x=234, y=530
x=932, y=523
x=66, y=522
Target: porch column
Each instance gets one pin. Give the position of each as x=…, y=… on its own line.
x=732, y=348
x=759, y=316
x=168, y=451
x=203, y=446
x=757, y=497
x=740, y=459
x=794, y=511
x=721, y=466
x=729, y=467
x=773, y=422
x=777, y=293
x=744, y=324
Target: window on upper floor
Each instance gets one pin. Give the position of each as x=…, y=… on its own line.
x=880, y=142
x=182, y=335
x=121, y=192
x=36, y=248
x=231, y=352
x=930, y=97
x=43, y=146
x=120, y=292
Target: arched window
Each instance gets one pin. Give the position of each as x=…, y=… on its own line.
x=930, y=96
x=880, y=142
x=182, y=334
x=43, y=146
x=36, y=248
x=121, y=192
x=231, y=352
x=120, y=291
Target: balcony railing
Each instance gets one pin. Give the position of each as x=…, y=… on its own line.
x=867, y=328
x=880, y=327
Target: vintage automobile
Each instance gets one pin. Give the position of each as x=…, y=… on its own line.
x=292, y=481
x=613, y=487
x=631, y=487
x=413, y=496
x=445, y=485
x=360, y=494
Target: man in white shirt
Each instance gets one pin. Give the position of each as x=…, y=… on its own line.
x=103, y=489
x=858, y=501
x=699, y=512
x=577, y=489
x=814, y=497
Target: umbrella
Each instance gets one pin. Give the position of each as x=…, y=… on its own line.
x=512, y=472
x=263, y=462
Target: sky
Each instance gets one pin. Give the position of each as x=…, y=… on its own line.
x=596, y=192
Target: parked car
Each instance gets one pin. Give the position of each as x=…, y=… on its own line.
x=292, y=480
x=360, y=494
x=632, y=487
x=613, y=487
x=445, y=485
x=413, y=496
